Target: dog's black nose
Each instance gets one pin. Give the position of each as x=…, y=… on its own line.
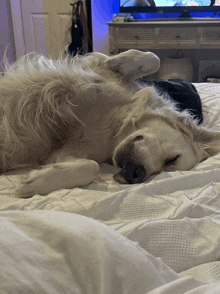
x=131, y=174
x=134, y=173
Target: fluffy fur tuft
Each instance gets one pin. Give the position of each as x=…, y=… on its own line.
x=40, y=99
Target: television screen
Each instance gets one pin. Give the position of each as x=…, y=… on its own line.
x=162, y=3
x=172, y=6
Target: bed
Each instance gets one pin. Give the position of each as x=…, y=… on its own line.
x=161, y=236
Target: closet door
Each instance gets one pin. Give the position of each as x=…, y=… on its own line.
x=42, y=26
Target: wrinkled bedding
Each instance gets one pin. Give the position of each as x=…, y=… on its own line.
x=162, y=236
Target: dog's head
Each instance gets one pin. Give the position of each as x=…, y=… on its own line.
x=162, y=145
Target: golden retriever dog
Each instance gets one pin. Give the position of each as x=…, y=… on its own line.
x=63, y=118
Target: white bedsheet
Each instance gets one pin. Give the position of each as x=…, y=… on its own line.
x=162, y=236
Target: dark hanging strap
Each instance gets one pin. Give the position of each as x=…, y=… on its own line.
x=76, y=30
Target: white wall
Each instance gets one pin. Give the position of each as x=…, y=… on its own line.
x=102, y=12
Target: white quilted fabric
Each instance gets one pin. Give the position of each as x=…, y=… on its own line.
x=173, y=218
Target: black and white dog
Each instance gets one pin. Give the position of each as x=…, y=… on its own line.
x=182, y=93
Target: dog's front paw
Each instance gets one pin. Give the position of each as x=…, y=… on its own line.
x=27, y=189
x=51, y=178
x=38, y=182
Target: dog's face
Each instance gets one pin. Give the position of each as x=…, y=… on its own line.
x=155, y=147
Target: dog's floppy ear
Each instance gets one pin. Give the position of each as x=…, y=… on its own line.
x=207, y=141
x=133, y=64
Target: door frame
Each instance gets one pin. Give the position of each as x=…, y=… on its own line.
x=88, y=8
x=17, y=24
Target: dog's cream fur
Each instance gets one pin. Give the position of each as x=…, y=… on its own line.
x=68, y=116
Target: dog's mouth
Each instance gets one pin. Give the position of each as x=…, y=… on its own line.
x=131, y=173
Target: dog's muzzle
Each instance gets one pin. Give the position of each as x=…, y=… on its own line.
x=131, y=173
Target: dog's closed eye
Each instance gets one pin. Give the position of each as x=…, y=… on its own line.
x=138, y=138
x=171, y=161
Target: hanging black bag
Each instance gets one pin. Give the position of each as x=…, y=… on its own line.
x=76, y=30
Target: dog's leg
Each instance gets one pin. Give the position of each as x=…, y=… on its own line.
x=69, y=174
x=133, y=64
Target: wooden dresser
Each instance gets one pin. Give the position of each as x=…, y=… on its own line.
x=150, y=35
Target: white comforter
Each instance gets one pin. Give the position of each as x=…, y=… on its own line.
x=162, y=236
